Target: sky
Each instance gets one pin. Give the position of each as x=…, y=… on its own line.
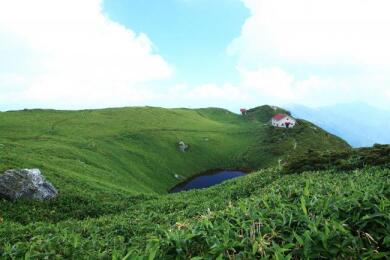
x=71, y=54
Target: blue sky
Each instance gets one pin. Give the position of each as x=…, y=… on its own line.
x=192, y=35
x=71, y=54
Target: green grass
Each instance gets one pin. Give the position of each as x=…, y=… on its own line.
x=311, y=215
x=134, y=150
x=378, y=155
x=113, y=168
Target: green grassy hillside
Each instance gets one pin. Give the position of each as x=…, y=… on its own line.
x=343, y=215
x=113, y=168
x=378, y=155
x=134, y=150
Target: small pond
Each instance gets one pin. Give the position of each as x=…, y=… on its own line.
x=207, y=180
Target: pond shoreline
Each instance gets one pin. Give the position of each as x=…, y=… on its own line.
x=208, y=172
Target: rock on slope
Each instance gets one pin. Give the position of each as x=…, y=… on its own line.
x=25, y=184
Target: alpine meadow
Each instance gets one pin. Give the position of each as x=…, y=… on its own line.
x=194, y=129
x=113, y=168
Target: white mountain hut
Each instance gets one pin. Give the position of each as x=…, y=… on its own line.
x=283, y=120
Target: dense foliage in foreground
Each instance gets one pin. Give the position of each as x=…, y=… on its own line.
x=113, y=182
x=378, y=155
x=311, y=215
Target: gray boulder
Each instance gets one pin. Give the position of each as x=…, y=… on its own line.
x=25, y=184
x=183, y=147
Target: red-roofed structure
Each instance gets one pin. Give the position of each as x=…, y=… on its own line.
x=243, y=111
x=279, y=117
x=283, y=120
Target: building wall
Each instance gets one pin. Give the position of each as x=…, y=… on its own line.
x=282, y=123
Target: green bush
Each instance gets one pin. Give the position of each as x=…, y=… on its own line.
x=323, y=214
x=378, y=155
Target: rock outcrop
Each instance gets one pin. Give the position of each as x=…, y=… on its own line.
x=183, y=147
x=25, y=184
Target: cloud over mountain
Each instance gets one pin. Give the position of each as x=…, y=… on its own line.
x=55, y=52
x=316, y=52
x=70, y=54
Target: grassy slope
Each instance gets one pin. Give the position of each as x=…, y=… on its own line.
x=118, y=162
x=131, y=150
x=134, y=150
x=311, y=215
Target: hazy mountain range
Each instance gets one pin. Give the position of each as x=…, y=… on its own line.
x=357, y=123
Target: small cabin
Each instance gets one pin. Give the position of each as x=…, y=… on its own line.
x=283, y=120
x=243, y=111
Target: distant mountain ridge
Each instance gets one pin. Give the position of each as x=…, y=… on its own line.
x=358, y=123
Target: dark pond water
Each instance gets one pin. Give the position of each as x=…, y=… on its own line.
x=207, y=180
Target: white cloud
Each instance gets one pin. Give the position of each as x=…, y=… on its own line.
x=315, y=52
x=205, y=95
x=69, y=54
x=272, y=82
x=317, y=32
x=276, y=86
x=68, y=51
